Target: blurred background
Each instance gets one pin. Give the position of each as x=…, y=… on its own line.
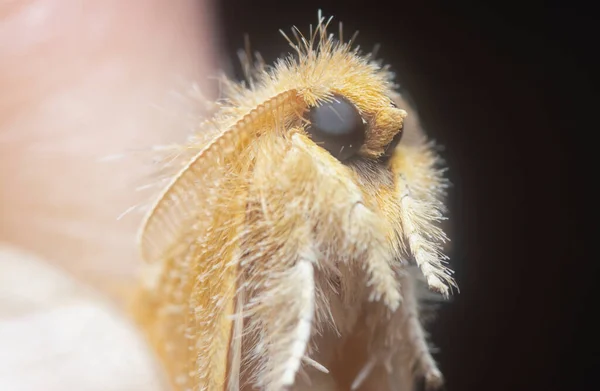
x=507, y=91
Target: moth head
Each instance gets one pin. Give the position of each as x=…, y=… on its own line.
x=338, y=125
x=349, y=100
x=345, y=98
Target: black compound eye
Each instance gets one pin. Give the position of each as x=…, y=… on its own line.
x=337, y=126
x=389, y=149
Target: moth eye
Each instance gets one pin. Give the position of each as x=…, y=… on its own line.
x=338, y=127
x=389, y=149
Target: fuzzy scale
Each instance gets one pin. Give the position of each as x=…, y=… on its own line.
x=278, y=266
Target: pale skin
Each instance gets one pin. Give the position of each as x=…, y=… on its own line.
x=80, y=83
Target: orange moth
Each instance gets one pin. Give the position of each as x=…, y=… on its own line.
x=281, y=251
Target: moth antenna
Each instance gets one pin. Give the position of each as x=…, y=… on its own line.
x=341, y=32
x=169, y=215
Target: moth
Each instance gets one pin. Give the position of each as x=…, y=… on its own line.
x=283, y=251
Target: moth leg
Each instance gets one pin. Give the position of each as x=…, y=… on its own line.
x=378, y=262
x=398, y=350
x=357, y=230
x=420, y=186
x=282, y=314
x=278, y=267
x=415, y=338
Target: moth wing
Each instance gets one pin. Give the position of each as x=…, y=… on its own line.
x=191, y=238
x=187, y=310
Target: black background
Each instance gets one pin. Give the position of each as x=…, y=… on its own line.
x=505, y=90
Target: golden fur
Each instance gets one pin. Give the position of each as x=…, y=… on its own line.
x=275, y=265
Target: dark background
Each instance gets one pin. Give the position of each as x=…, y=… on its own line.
x=506, y=90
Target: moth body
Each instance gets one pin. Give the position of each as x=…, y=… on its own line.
x=284, y=245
